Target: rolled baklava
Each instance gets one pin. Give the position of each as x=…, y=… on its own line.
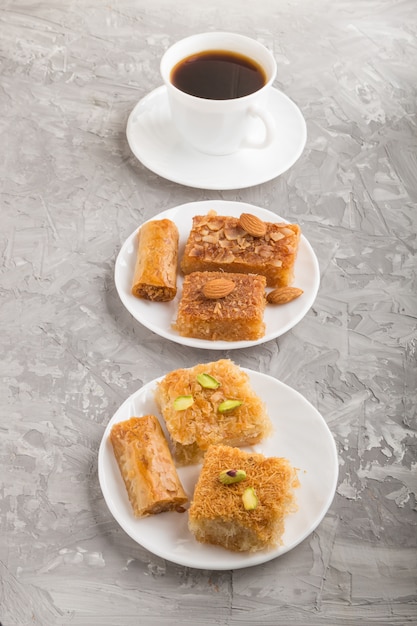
x=155, y=276
x=146, y=466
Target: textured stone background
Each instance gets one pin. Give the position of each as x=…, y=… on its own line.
x=71, y=192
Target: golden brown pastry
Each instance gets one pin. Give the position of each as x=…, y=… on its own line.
x=155, y=276
x=146, y=466
x=222, y=408
x=246, y=245
x=236, y=316
x=247, y=515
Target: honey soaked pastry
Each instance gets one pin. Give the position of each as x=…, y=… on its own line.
x=146, y=466
x=155, y=276
x=245, y=244
x=210, y=403
x=220, y=306
x=241, y=499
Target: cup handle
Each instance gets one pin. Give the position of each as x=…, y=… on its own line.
x=269, y=125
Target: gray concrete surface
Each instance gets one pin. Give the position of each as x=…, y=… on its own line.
x=71, y=192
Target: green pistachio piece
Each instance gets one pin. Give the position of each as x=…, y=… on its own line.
x=250, y=499
x=207, y=381
x=183, y=402
x=230, y=476
x=228, y=405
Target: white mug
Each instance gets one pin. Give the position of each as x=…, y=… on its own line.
x=220, y=127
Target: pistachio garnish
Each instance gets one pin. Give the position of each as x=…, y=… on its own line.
x=228, y=405
x=250, y=499
x=183, y=402
x=230, y=476
x=207, y=381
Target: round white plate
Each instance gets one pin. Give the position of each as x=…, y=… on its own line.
x=158, y=316
x=300, y=434
x=155, y=142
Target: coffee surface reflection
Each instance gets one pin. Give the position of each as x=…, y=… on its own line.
x=218, y=75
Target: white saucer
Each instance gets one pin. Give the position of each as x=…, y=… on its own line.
x=158, y=316
x=300, y=434
x=155, y=142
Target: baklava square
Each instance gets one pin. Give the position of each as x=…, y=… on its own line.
x=236, y=317
x=219, y=242
x=210, y=403
x=248, y=515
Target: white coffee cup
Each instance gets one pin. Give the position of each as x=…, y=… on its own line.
x=220, y=127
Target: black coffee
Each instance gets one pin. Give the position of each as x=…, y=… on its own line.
x=218, y=75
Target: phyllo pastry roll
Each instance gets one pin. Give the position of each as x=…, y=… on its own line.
x=155, y=276
x=146, y=466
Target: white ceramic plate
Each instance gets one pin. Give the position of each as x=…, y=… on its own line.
x=158, y=316
x=155, y=142
x=300, y=434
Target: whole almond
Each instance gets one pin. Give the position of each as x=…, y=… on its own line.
x=252, y=224
x=218, y=288
x=282, y=295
